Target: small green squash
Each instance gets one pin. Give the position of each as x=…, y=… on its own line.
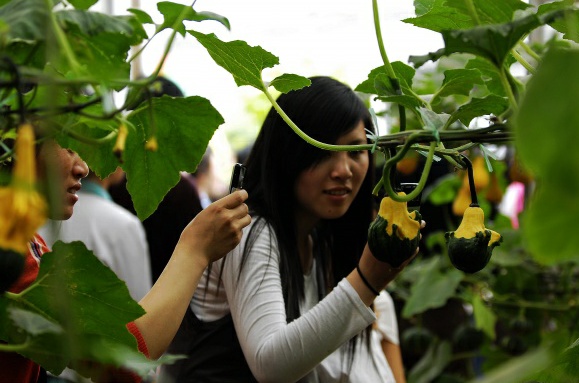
x=470, y=247
x=394, y=235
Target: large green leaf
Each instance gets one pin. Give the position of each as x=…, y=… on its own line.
x=75, y=297
x=100, y=43
x=492, y=42
x=183, y=128
x=243, y=61
x=546, y=128
x=432, y=289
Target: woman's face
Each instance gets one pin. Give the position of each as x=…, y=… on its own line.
x=326, y=190
x=61, y=171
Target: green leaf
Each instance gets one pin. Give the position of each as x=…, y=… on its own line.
x=93, y=23
x=76, y=291
x=27, y=20
x=454, y=14
x=432, y=289
x=492, y=42
x=457, y=81
x=379, y=83
x=183, y=128
x=490, y=75
x=423, y=6
x=484, y=317
x=100, y=158
x=82, y=4
x=142, y=16
x=478, y=107
x=419, y=61
x=244, y=62
x=173, y=12
x=99, y=300
x=104, y=56
x=288, y=82
x=433, y=362
x=490, y=12
x=33, y=323
x=546, y=127
x=439, y=17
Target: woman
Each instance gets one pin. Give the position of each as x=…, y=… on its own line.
x=213, y=233
x=283, y=305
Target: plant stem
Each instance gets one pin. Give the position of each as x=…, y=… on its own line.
x=508, y=89
x=530, y=51
x=178, y=21
x=471, y=184
x=387, y=65
x=421, y=183
x=390, y=163
x=303, y=135
x=523, y=62
x=62, y=40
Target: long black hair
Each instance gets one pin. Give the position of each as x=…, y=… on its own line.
x=325, y=110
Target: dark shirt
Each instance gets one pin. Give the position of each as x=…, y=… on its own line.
x=213, y=353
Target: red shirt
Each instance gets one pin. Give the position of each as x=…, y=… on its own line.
x=14, y=368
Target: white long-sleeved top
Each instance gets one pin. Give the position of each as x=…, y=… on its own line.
x=315, y=344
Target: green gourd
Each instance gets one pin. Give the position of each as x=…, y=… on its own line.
x=394, y=235
x=470, y=247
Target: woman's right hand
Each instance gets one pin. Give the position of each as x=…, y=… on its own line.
x=217, y=229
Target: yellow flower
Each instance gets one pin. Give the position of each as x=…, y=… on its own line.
x=121, y=141
x=22, y=208
x=152, y=145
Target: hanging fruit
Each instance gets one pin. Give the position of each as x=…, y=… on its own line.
x=394, y=235
x=470, y=246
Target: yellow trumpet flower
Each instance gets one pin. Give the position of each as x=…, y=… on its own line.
x=22, y=208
